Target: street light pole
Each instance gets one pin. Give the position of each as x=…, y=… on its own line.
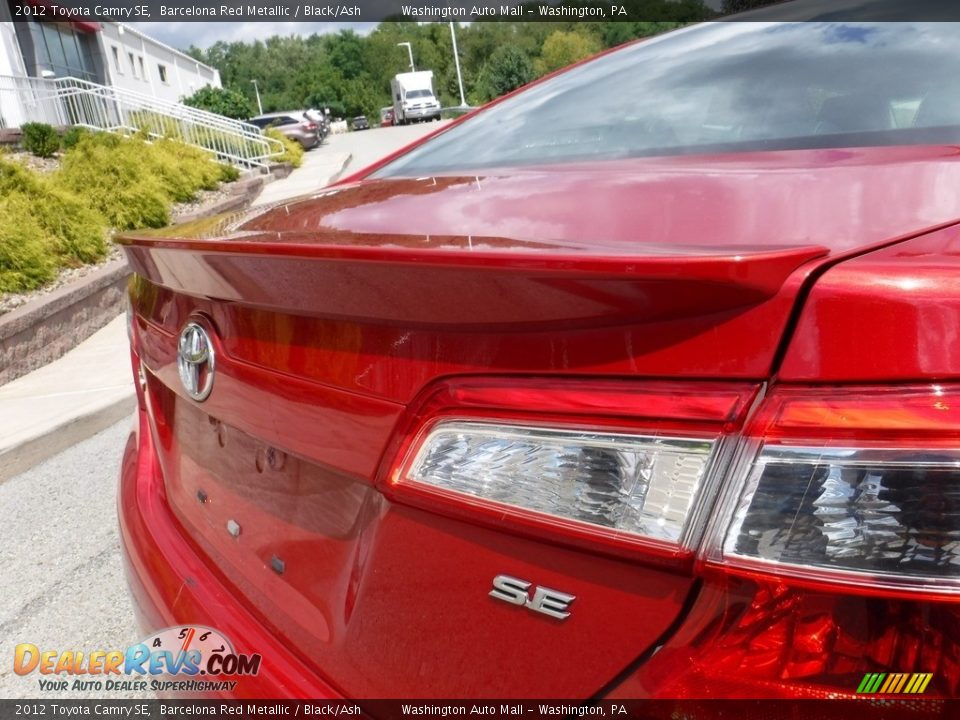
x=410, y=53
x=256, y=89
x=456, y=61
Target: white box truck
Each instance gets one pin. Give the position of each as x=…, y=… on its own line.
x=413, y=98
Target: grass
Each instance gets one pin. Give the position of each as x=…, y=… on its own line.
x=56, y=220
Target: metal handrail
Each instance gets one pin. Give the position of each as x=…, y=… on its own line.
x=72, y=101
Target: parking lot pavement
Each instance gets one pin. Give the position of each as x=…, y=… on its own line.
x=60, y=551
x=366, y=146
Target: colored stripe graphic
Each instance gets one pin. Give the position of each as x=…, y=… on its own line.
x=903, y=681
x=894, y=683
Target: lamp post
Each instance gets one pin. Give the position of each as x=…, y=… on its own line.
x=410, y=53
x=256, y=89
x=456, y=61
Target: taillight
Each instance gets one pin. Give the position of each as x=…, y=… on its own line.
x=833, y=554
x=618, y=466
x=309, y=125
x=857, y=486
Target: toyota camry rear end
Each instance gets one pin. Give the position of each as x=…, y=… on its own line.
x=640, y=382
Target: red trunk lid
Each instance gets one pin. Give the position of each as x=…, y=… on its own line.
x=332, y=314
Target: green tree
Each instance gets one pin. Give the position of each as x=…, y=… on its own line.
x=222, y=101
x=508, y=68
x=564, y=48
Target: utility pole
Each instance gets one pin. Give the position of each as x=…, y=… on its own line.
x=410, y=53
x=456, y=61
x=256, y=89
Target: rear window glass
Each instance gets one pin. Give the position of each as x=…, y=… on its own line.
x=727, y=87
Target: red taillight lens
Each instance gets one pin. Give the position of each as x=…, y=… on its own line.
x=764, y=638
x=834, y=554
x=309, y=125
x=616, y=466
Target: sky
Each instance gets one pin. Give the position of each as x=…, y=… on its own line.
x=182, y=35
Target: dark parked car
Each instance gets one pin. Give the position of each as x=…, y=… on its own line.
x=296, y=125
x=360, y=122
x=642, y=382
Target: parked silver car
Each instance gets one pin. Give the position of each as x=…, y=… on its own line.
x=295, y=124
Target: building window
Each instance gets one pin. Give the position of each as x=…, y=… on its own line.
x=133, y=64
x=162, y=72
x=116, y=59
x=143, y=70
x=55, y=50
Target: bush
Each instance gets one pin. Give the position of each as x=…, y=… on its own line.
x=109, y=171
x=73, y=232
x=133, y=182
x=72, y=136
x=25, y=262
x=222, y=101
x=57, y=220
x=229, y=173
x=182, y=169
x=40, y=139
x=292, y=150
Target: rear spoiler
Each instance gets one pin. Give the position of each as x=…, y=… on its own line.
x=469, y=282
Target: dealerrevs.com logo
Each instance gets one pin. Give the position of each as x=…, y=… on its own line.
x=189, y=658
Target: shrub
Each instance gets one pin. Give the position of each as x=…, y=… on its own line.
x=109, y=171
x=40, y=139
x=222, y=101
x=73, y=232
x=229, y=173
x=72, y=136
x=182, y=169
x=133, y=182
x=56, y=220
x=292, y=150
x=25, y=262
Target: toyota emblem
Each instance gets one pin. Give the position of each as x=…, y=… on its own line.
x=195, y=361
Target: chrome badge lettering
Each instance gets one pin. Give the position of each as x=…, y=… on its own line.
x=195, y=361
x=544, y=600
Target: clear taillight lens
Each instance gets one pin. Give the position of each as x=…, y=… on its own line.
x=644, y=486
x=861, y=486
x=617, y=466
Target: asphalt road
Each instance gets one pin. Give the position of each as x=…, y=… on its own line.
x=61, y=582
x=366, y=146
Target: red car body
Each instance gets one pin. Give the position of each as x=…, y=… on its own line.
x=792, y=298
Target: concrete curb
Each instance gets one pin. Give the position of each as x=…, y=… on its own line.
x=22, y=457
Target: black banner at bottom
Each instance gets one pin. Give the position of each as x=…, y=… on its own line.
x=867, y=707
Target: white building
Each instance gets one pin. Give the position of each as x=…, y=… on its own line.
x=105, y=53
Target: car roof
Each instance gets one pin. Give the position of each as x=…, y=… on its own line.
x=284, y=113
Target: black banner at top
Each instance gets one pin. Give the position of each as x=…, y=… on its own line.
x=484, y=10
